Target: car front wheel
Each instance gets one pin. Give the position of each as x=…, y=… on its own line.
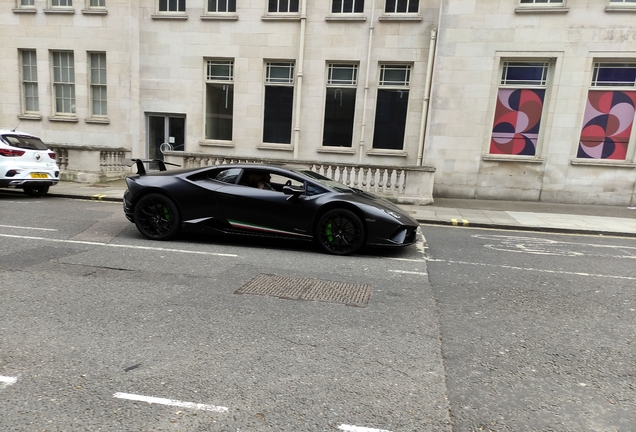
x=157, y=217
x=36, y=191
x=340, y=232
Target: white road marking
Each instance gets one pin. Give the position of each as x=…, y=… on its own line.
x=7, y=380
x=409, y=272
x=170, y=402
x=535, y=270
x=28, y=228
x=123, y=246
x=350, y=428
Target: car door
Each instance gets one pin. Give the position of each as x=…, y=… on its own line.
x=268, y=211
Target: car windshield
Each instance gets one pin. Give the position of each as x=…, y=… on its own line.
x=24, y=142
x=325, y=181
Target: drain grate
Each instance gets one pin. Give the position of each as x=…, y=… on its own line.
x=307, y=289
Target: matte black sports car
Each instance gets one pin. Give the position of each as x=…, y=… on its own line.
x=263, y=200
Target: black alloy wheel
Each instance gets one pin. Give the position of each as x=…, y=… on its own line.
x=36, y=191
x=340, y=232
x=157, y=217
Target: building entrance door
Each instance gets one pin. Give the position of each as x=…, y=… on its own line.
x=165, y=132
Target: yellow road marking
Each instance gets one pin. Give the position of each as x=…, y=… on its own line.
x=98, y=197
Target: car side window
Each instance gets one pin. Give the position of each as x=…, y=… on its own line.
x=227, y=175
x=313, y=189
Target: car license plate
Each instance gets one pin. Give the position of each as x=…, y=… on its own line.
x=39, y=175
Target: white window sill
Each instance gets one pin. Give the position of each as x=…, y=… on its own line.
x=30, y=116
x=215, y=143
x=620, y=8
x=94, y=11
x=24, y=10
x=221, y=16
x=68, y=119
x=518, y=159
x=603, y=163
x=386, y=152
x=541, y=9
x=336, y=150
x=281, y=17
x=401, y=17
x=68, y=11
x=350, y=17
x=180, y=16
x=97, y=120
x=274, y=146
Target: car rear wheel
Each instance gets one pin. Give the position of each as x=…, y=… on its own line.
x=36, y=191
x=340, y=232
x=157, y=217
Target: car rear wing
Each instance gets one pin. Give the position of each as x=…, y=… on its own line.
x=141, y=167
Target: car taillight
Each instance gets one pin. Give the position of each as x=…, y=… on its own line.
x=10, y=152
x=52, y=155
x=11, y=173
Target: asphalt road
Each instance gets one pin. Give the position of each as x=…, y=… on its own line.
x=101, y=329
x=94, y=317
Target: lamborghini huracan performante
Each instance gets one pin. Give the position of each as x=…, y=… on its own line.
x=263, y=200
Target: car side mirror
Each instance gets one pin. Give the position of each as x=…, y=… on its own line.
x=294, y=191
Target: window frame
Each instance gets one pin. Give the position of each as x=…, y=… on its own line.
x=228, y=3
x=289, y=82
x=53, y=5
x=340, y=84
x=396, y=6
x=168, y=11
x=342, y=5
x=287, y=12
x=21, y=5
x=89, y=4
x=29, y=83
x=390, y=86
x=70, y=84
x=218, y=80
x=103, y=87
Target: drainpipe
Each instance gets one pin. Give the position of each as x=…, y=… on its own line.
x=427, y=95
x=299, y=75
x=366, y=85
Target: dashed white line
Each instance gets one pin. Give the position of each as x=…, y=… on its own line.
x=409, y=272
x=119, y=245
x=28, y=228
x=534, y=269
x=350, y=428
x=171, y=402
x=7, y=380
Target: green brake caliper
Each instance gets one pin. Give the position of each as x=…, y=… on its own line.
x=166, y=214
x=329, y=232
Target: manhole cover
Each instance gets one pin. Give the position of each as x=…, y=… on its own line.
x=308, y=289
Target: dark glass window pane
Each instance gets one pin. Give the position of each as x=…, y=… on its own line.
x=348, y=6
x=278, y=114
x=293, y=5
x=339, y=112
x=163, y=5
x=616, y=75
x=524, y=73
x=390, y=6
x=390, y=119
x=283, y=5
x=182, y=5
x=336, y=6
x=359, y=6
x=401, y=5
x=219, y=111
x=231, y=6
x=273, y=6
x=414, y=6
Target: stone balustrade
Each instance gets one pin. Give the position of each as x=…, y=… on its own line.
x=91, y=164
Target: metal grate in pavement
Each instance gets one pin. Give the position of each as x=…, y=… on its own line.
x=308, y=289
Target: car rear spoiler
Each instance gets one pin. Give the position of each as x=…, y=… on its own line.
x=141, y=168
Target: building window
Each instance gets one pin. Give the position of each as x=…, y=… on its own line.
x=172, y=5
x=61, y=3
x=391, y=107
x=221, y=5
x=340, y=104
x=609, y=112
x=347, y=6
x=219, y=99
x=98, y=84
x=97, y=3
x=279, y=97
x=402, y=6
x=283, y=6
x=519, y=108
x=64, y=82
x=541, y=2
x=26, y=3
x=30, y=82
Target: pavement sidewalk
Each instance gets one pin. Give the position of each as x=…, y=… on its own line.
x=517, y=215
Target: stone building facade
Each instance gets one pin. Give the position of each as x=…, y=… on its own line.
x=505, y=99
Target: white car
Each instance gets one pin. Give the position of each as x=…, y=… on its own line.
x=26, y=163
